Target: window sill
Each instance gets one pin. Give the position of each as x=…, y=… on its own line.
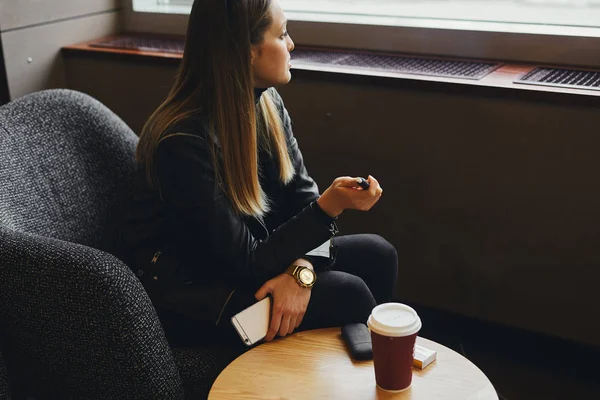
x=499, y=83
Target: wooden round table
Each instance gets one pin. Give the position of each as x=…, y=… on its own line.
x=316, y=365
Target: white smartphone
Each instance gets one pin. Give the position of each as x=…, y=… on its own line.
x=252, y=324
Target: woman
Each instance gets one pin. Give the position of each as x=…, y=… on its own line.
x=224, y=211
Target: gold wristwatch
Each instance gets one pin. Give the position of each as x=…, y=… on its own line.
x=305, y=276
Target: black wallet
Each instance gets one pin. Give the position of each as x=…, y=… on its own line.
x=358, y=340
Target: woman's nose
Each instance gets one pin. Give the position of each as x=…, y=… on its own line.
x=291, y=44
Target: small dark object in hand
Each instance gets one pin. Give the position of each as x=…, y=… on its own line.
x=358, y=339
x=363, y=183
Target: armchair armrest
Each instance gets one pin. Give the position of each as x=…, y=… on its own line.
x=78, y=324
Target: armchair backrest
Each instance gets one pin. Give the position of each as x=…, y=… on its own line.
x=66, y=164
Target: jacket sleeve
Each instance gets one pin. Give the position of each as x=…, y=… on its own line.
x=187, y=183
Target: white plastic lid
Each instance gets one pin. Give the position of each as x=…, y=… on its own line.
x=394, y=319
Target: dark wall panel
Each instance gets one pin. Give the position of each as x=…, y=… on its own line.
x=490, y=202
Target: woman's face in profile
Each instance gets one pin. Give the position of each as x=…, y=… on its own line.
x=271, y=58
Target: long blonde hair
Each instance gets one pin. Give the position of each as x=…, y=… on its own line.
x=215, y=78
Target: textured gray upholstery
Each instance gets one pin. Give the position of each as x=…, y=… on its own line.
x=66, y=160
x=200, y=367
x=79, y=324
x=76, y=323
x=3, y=380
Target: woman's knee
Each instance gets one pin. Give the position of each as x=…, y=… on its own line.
x=348, y=289
x=338, y=298
x=387, y=249
x=384, y=252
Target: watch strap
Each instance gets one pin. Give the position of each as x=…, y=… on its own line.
x=292, y=269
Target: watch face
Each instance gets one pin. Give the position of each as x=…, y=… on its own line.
x=306, y=276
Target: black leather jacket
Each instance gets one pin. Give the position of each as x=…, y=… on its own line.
x=187, y=230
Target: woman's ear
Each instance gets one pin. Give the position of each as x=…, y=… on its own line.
x=253, y=53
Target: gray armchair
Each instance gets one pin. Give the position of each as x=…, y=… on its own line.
x=74, y=320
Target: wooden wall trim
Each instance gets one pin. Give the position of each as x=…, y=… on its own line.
x=498, y=83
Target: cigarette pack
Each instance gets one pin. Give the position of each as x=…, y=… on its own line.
x=423, y=357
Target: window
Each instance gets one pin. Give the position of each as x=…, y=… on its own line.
x=523, y=30
x=578, y=13
x=163, y=6
x=553, y=12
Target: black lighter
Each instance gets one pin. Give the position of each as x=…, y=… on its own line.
x=363, y=183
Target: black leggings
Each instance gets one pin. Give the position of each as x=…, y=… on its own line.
x=363, y=274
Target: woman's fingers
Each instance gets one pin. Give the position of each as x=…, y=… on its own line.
x=289, y=305
x=351, y=195
x=346, y=181
x=365, y=200
x=264, y=290
x=375, y=188
x=285, y=325
x=274, y=325
x=293, y=325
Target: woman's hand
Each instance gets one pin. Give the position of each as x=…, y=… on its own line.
x=289, y=302
x=345, y=193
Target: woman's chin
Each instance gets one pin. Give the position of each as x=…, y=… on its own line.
x=282, y=80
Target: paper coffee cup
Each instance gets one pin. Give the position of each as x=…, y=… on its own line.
x=394, y=328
